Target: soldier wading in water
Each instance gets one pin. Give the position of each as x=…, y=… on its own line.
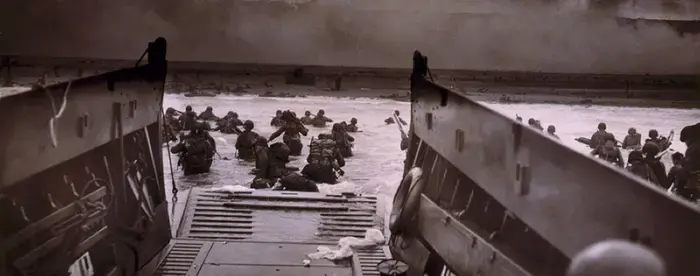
x=292, y=128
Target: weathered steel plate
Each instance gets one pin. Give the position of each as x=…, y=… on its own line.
x=570, y=199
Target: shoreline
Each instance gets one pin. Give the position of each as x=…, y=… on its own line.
x=668, y=91
x=403, y=95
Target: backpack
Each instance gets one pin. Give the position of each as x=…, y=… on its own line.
x=610, y=154
x=321, y=151
x=249, y=139
x=328, y=149
x=197, y=151
x=598, y=139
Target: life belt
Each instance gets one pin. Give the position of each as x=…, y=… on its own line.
x=406, y=200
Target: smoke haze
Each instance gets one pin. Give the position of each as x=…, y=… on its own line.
x=379, y=33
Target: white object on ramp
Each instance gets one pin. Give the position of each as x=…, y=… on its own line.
x=232, y=188
x=373, y=237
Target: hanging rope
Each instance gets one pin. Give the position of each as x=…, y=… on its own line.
x=170, y=161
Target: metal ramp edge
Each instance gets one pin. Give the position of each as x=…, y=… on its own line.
x=190, y=257
x=248, y=215
x=366, y=260
x=183, y=257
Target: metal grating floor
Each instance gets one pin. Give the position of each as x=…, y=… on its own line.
x=369, y=258
x=221, y=233
x=181, y=258
x=276, y=216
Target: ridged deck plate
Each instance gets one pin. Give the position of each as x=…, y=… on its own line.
x=276, y=216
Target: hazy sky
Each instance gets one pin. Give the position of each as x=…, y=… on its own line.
x=334, y=32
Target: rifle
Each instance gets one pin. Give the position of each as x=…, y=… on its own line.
x=669, y=140
x=336, y=169
x=293, y=119
x=339, y=172
x=400, y=126
x=178, y=112
x=404, y=136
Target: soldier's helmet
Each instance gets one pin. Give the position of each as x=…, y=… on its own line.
x=650, y=149
x=653, y=133
x=248, y=124
x=635, y=156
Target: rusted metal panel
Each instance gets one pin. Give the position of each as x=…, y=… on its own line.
x=87, y=191
x=569, y=199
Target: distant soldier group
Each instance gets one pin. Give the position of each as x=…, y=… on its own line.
x=326, y=157
x=644, y=159
x=536, y=124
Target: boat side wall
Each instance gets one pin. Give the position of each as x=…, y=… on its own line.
x=81, y=175
x=498, y=181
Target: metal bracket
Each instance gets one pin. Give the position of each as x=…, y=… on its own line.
x=83, y=122
x=523, y=174
x=459, y=140
x=132, y=108
x=428, y=120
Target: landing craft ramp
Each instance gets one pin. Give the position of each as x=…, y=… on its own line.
x=250, y=233
x=500, y=198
